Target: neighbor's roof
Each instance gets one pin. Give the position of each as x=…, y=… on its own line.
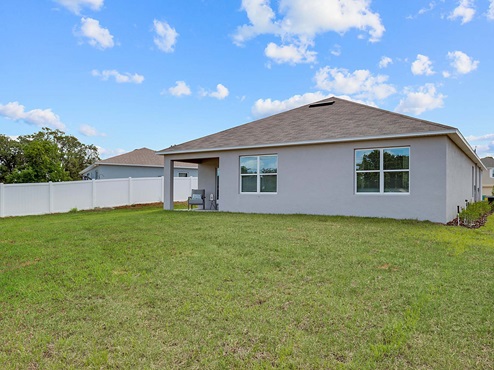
x=143, y=156
x=139, y=157
x=318, y=122
x=488, y=161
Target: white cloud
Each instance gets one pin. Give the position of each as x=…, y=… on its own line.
x=311, y=17
x=336, y=51
x=291, y=54
x=483, y=144
x=483, y=149
x=464, y=10
x=87, y=130
x=490, y=12
x=424, y=10
x=75, y=6
x=166, y=36
x=268, y=107
x=480, y=138
x=385, y=62
x=360, y=101
x=220, y=93
x=38, y=117
x=462, y=63
x=424, y=99
x=179, y=89
x=105, y=153
x=261, y=17
x=298, y=22
x=119, y=77
x=97, y=36
x=422, y=66
x=360, y=84
x=431, y=6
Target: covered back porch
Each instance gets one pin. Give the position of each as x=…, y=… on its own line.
x=208, y=179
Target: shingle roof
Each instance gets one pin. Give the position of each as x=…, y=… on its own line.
x=488, y=162
x=313, y=123
x=141, y=157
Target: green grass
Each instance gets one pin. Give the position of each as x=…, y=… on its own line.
x=145, y=288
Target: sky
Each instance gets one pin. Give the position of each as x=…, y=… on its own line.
x=124, y=74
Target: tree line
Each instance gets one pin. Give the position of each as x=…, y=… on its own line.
x=48, y=155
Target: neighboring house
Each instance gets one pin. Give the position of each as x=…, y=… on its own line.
x=335, y=157
x=488, y=178
x=139, y=163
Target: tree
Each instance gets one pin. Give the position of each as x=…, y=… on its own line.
x=10, y=156
x=48, y=155
x=41, y=164
x=370, y=161
x=74, y=155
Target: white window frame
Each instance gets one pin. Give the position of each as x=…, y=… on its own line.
x=258, y=175
x=492, y=173
x=381, y=171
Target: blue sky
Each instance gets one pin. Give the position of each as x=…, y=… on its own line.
x=129, y=74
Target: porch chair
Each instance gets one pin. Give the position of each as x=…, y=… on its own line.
x=198, y=198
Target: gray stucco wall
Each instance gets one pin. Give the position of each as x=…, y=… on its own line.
x=320, y=179
x=118, y=172
x=463, y=180
x=207, y=178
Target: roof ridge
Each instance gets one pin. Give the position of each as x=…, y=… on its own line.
x=246, y=123
x=314, y=122
x=394, y=113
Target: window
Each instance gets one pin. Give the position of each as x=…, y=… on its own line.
x=259, y=174
x=492, y=172
x=385, y=170
x=183, y=174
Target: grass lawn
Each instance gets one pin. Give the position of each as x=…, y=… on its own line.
x=147, y=288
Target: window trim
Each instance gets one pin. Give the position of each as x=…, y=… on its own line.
x=492, y=173
x=381, y=171
x=258, y=175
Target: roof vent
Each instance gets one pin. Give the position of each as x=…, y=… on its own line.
x=323, y=104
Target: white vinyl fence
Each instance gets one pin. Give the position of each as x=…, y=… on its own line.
x=58, y=197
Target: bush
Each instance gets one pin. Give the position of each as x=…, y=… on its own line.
x=475, y=211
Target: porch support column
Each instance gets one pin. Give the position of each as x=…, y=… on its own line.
x=168, y=185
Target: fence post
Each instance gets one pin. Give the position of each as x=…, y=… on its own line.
x=50, y=197
x=2, y=200
x=162, y=188
x=129, y=203
x=93, y=193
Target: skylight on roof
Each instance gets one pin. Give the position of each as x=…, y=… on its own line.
x=331, y=102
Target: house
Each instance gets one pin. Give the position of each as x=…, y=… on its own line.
x=139, y=163
x=334, y=157
x=488, y=178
